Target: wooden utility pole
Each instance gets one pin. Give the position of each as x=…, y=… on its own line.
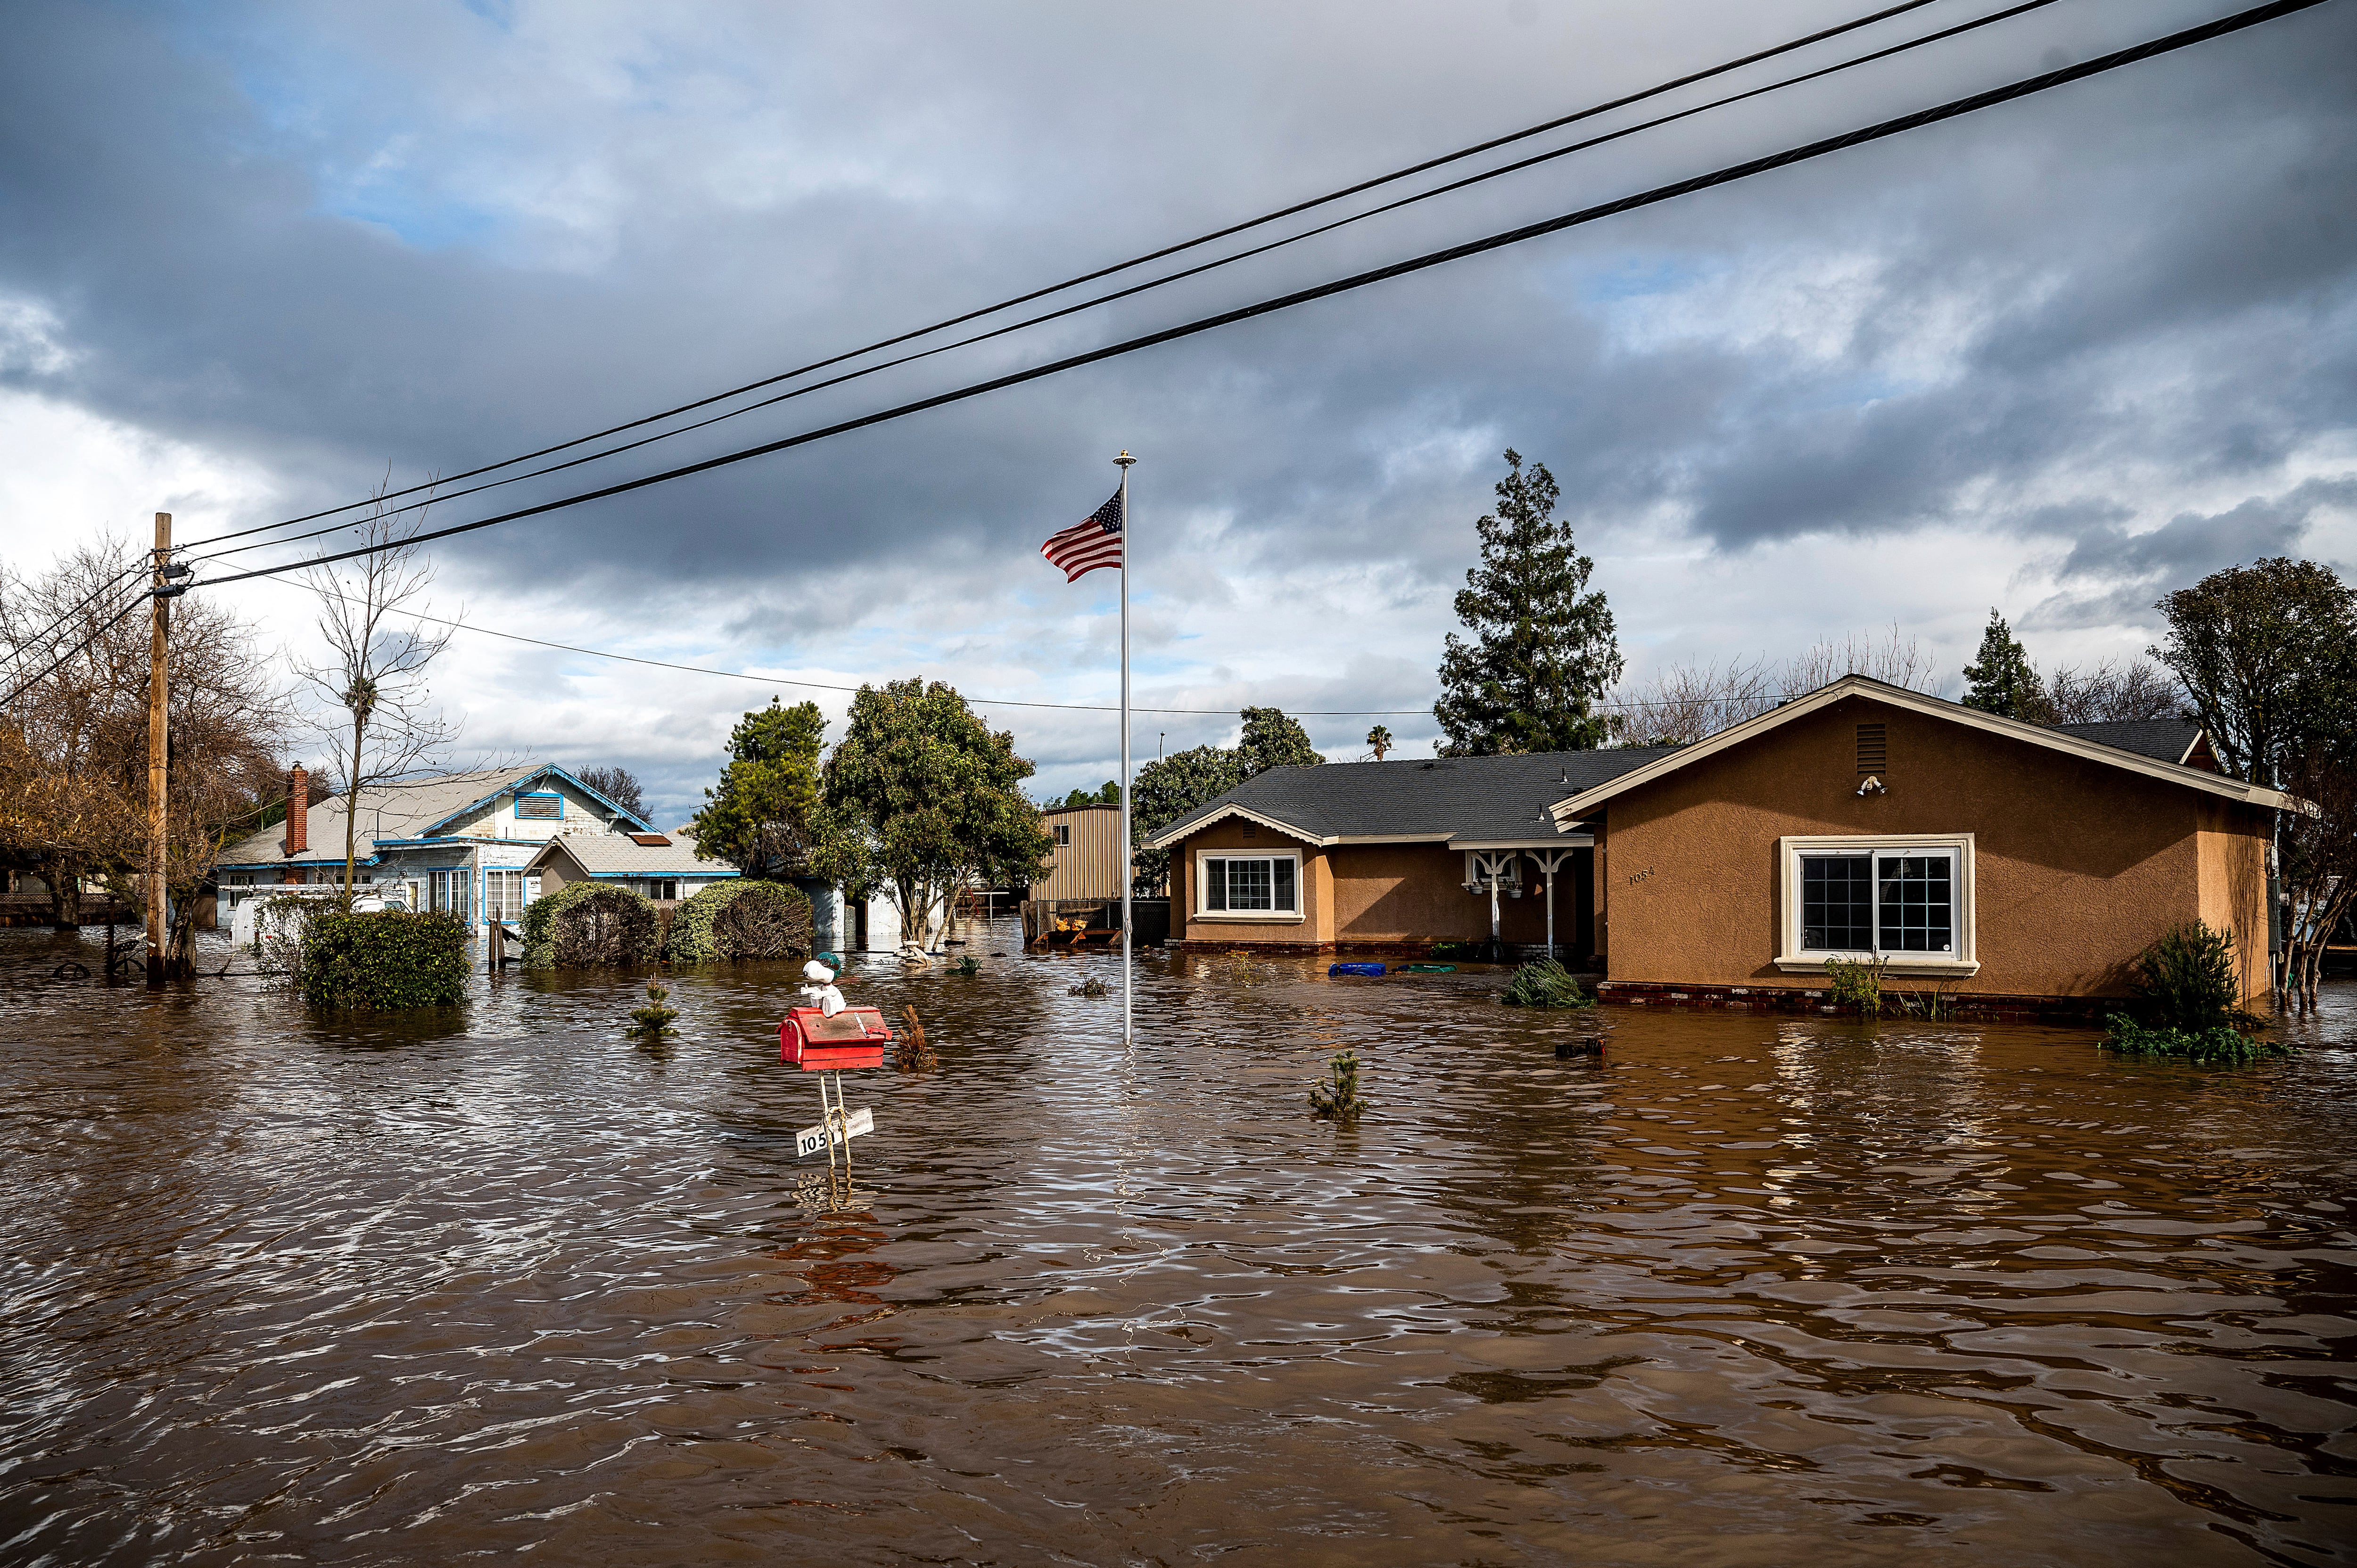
x=159, y=747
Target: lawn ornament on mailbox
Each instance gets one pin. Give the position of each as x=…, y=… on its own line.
x=852, y=1039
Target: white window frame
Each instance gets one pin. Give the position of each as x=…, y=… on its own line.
x=1270, y=917
x=1792, y=958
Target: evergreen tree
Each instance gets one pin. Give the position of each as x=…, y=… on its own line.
x=1544, y=650
x=760, y=817
x=2002, y=681
x=1273, y=740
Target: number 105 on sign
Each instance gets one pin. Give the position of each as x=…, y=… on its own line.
x=811, y=1140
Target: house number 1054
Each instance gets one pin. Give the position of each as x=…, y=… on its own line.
x=1637, y=876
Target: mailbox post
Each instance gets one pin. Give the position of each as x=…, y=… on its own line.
x=852, y=1039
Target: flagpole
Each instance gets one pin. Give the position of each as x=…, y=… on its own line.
x=1128, y=861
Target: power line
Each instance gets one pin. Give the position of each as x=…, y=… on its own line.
x=1173, y=250
x=1167, y=278
x=1633, y=703
x=50, y=631
x=63, y=659
x=1725, y=176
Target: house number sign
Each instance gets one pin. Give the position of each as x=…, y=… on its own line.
x=1637, y=876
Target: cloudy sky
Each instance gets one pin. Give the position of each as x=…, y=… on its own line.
x=2053, y=357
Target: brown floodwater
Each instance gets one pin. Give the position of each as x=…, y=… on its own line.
x=1748, y=1290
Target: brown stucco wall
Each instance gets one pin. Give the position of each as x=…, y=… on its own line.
x=1316, y=926
x=1377, y=896
x=2080, y=866
x=2232, y=857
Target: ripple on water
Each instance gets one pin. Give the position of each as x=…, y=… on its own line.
x=1748, y=1290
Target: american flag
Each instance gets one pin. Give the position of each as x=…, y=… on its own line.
x=1085, y=546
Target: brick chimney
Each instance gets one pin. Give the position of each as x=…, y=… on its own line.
x=298, y=811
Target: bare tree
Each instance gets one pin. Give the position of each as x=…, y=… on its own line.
x=2110, y=692
x=1685, y=702
x=1688, y=702
x=2318, y=849
x=375, y=716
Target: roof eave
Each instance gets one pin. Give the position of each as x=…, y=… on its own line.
x=1579, y=805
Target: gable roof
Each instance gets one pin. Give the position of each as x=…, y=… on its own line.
x=1464, y=800
x=1571, y=808
x=407, y=809
x=2165, y=740
x=522, y=780
x=619, y=855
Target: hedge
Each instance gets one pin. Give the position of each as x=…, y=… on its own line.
x=585, y=924
x=383, y=961
x=741, y=919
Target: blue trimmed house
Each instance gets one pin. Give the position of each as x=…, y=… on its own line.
x=462, y=842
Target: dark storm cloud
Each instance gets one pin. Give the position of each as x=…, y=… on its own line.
x=2152, y=270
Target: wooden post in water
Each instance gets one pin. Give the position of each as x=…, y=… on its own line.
x=158, y=749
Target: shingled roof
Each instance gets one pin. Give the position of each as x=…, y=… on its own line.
x=622, y=855
x=2165, y=740
x=1463, y=800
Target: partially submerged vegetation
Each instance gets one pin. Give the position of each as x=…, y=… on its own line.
x=1545, y=984
x=1336, y=1097
x=382, y=959
x=2188, y=1002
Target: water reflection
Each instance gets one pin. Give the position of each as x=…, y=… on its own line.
x=282, y=1288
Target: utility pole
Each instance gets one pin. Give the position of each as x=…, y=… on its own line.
x=158, y=747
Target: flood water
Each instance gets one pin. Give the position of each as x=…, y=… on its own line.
x=1750, y=1290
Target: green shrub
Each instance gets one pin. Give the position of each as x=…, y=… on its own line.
x=1858, y=984
x=585, y=924
x=2186, y=982
x=741, y=919
x=383, y=961
x=1545, y=984
x=2218, y=1043
x=1337, y=1098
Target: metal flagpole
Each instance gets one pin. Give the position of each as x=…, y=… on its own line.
x=1129, y=866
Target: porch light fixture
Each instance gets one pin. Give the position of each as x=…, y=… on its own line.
x=1872, y=785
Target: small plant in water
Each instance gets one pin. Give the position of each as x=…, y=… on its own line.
x=2188, y=1003
x=967, y=965
x=1240, y=965
x=1092, y=986
x=654, y=1020
x=1545, y=984
x=1337, y=1098
x=911, y=1052
x=1856, y=984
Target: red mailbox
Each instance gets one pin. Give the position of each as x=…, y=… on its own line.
x=854, y=1037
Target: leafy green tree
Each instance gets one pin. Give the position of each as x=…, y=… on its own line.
x=762, y=817
x=1544, y=650
x=2002, y=681
x=1168, y=789
x=1108, y=795
x=920, y=796
x=2267, y=655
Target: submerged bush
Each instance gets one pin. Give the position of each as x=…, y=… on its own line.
x=584, y=925
x=1336, y=1097
x=741, y=919
x=2188, y=982
x=383, y=961
x=1857, y=983
x=1545, y=984
x=2218, y=1043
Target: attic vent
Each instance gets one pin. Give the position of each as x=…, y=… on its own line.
x=1873, y=751
x=651, y=841
x=1252, y=829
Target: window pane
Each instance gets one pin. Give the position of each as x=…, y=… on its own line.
x=1914, y=903
x=1837, y=903
x=1215, y=884
x=1248, y=885
x=1283, y=870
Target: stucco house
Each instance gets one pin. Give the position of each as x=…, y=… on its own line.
x=461, y=842
x=2012, y=863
